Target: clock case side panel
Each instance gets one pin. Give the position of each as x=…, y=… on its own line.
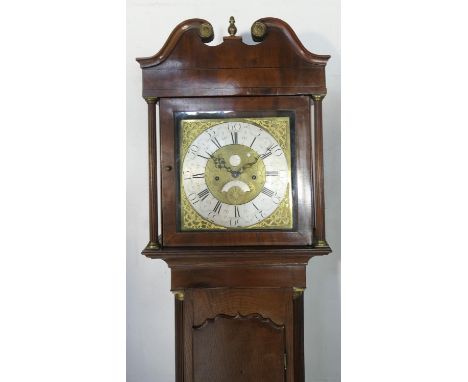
x=171, y=234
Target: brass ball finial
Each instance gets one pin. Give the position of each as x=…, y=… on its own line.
x=205, y=30
x=232, y=27
x=258, y=30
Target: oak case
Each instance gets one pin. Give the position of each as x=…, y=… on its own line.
x=238, y=293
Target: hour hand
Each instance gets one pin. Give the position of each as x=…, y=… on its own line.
x=248, y=165
x=220, y=163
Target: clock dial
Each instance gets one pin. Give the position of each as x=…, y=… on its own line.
x=235, y=174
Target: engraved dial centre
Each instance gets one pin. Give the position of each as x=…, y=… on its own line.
x=235, y=174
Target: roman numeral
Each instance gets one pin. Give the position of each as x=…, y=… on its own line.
x=203, y=194
x=218, y=206
x=201, y=175
x=201, y=156
x=253, y=142
x=272, y=173
x=265, y=155
x=258, y=209
x=216, y=142
x=234, y=137
x=268, y=192
x=272, y=147
x=236, y=212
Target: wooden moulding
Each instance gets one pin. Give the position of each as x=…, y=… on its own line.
x=203, y=256
x=278, y=65
x=237, y=268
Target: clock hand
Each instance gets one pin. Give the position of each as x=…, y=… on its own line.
x=248, y=165
x=221, y=163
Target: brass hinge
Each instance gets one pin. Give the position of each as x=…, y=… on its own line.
x=285, y=361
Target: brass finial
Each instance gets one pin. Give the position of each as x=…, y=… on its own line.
x=232, y=27
x=258, y=30
x=205, y=30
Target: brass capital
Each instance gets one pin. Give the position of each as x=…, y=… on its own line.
x=318, y=97
x=179, y=294
x=150, y=99
x=297, y=292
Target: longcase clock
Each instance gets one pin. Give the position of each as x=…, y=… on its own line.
x=241, y=195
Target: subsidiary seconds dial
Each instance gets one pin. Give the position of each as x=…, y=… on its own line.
x=235, y=174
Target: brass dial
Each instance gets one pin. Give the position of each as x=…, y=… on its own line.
x=236, y=173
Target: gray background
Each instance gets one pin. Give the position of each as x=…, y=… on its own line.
x=150, y=325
